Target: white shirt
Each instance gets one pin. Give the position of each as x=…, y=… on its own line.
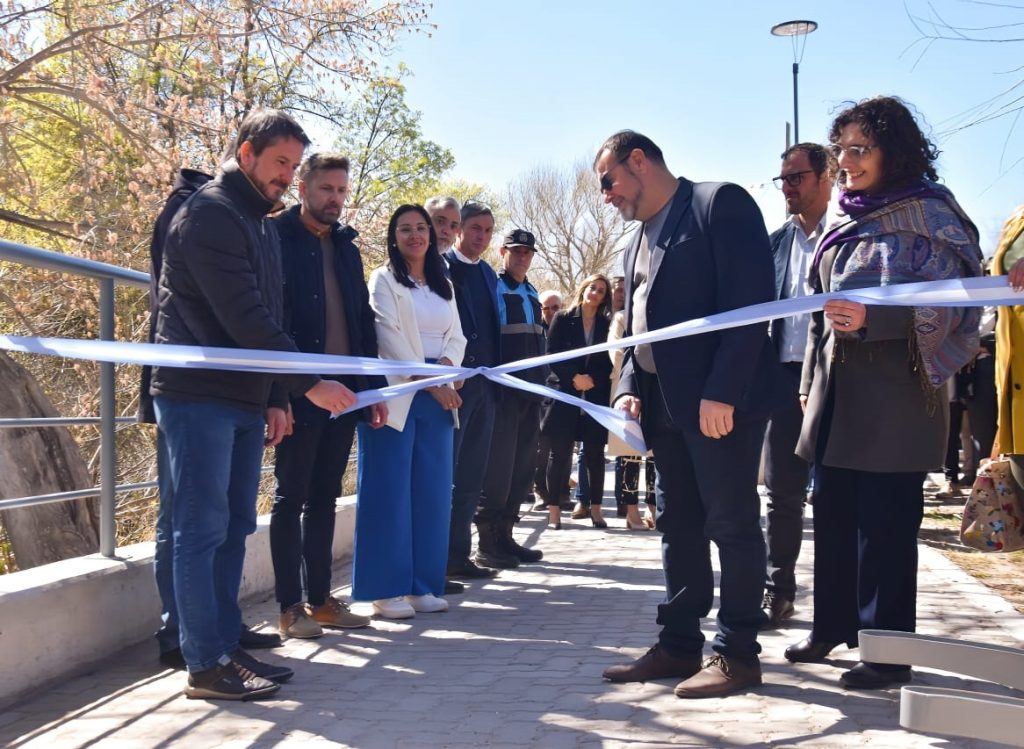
x=433, y=318
x=801, y=255
x=463, y=258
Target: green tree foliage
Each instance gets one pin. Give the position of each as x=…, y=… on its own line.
x=392, y=163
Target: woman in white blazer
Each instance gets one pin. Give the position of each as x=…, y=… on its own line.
x=405, y=468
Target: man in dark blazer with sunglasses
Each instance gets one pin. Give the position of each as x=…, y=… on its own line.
x=702, y=401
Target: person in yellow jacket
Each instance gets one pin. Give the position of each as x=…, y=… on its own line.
x=1009, y=260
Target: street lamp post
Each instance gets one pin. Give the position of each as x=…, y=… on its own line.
x=797, y=31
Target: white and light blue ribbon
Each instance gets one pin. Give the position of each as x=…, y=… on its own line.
x=968, y=292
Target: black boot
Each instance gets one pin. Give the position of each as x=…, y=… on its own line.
x=490, y=547
x=511, y=546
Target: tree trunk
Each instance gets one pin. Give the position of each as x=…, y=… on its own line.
x=40, y=461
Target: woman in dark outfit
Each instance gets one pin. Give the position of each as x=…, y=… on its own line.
x=587, y=377
x=875, y=380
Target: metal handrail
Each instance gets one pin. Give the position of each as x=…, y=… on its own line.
x=106, y=275
x=61, y=421
x=44, y=499
x=79, y=266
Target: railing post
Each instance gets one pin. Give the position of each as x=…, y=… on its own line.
x=108, y=408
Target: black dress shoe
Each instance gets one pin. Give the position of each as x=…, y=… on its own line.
x=452, y=587
x=873, y=676
x=466, y=569
x=249, y=640
x=173, y=659
x=656, y=663
x=809, y=651
x=776, y=609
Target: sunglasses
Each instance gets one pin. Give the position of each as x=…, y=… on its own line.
x=856, y=152
x=793, y=180
x=606, y=181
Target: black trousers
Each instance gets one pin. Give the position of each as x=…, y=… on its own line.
x=865, y=551
x=513, y=455
x=309, y=466
x=560, y=467
x=706, y=491
x=981, y=404
x=785, y=478
x=951, y=464
x=540, y=474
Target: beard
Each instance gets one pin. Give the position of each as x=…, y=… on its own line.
x=326, y=215
x=272, y=190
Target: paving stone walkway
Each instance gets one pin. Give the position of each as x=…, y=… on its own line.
x=516, y=662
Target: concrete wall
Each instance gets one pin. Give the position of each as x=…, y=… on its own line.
x=60, y=618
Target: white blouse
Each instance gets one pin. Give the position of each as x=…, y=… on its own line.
x=433, y=318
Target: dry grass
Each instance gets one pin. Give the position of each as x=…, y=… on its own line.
x=1003, y=573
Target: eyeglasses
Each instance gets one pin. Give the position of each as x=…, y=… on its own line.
x=793, y=180
x=854, y=151
x=606, y=182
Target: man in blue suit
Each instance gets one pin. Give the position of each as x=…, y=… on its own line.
x=806, y=182
x=702, y=402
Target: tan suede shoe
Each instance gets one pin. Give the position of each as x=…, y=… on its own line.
x=296, y=622
x=335, y=614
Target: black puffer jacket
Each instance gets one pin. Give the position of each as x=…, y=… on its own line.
x=222, y=285
x=187, y=182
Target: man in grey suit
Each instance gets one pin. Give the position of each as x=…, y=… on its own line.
x=808, y=172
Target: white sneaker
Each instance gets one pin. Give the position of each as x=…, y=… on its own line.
x=427, y=604
x=393, y=608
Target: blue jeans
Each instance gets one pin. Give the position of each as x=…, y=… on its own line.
x=582, y=479
x=472, y=449
x=213, y=460
x=167, y=636
x=403, y=505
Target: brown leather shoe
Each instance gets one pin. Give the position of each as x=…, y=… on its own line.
x=719, y=677
x=581, y=511
x=656, y=663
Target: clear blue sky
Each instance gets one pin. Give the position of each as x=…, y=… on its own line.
x=509, y=85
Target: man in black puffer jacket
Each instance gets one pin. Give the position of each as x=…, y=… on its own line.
x=186, y=184
x=221, y=285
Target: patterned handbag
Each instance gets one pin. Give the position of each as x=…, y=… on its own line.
x=993, y=513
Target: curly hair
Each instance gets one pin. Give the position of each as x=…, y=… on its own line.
x=907, y=154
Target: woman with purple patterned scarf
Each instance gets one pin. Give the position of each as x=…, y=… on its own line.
x=874, y=379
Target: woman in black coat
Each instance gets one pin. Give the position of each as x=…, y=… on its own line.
x=584, y=323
